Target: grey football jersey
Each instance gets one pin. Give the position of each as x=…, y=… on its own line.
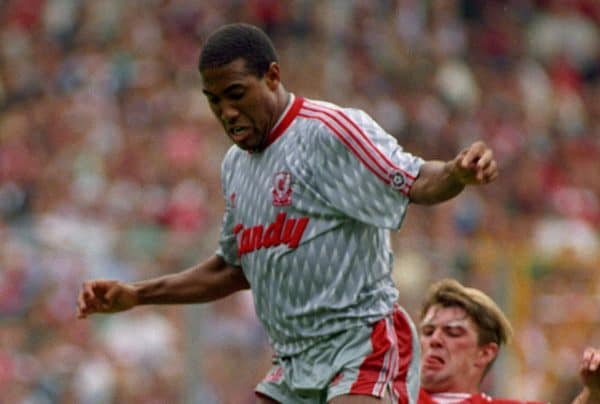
x=308, y=220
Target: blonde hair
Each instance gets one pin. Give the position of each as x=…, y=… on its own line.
x=492, y=325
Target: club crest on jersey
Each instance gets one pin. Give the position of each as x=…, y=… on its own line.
x=397, y=180
x=282, y=189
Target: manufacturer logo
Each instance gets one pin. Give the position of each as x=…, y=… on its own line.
x=282, y=189
x=232, y=200
x=275, y=375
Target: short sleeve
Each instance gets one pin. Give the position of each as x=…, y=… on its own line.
x=362, y=170
x=227, y=248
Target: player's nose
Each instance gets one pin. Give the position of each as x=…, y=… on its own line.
x=228, y=112
x=435, y=339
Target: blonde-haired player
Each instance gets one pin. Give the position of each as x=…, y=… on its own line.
x=461, y=332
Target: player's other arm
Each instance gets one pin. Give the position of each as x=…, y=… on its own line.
x=590, y=376
x=207, y=281
x=439, y=181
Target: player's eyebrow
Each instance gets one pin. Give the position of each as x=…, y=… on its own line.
x=457, y=322
x=228, y=89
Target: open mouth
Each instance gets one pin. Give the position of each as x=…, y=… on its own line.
x=434, y=361
x=239, y=133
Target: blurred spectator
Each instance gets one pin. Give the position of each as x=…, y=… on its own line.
x=109, y=163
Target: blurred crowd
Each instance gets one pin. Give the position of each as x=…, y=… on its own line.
x=110, y=159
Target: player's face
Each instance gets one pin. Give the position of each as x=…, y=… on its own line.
x=452, y=360
x=245, y=104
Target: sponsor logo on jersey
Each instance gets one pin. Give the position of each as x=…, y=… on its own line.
x=284, y=230
x=282, y=189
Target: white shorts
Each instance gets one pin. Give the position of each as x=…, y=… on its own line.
x=380, y=360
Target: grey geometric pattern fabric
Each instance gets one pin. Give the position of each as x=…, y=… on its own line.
x=308, y=221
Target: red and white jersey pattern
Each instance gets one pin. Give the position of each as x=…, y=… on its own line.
x=308, y=220
x=466, y=398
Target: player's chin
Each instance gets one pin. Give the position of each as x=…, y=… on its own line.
x=429, y=383
x=431, y=373
x=250, y=145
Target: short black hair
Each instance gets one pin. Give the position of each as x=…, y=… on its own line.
x=235, y=41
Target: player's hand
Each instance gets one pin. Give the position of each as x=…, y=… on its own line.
x=590, y=369
x=105, y=296
x=475, y=165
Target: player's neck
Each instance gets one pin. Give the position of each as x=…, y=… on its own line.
x=284, y=98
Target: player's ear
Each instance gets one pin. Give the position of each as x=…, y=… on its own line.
x=273, y=76
x=486, y=354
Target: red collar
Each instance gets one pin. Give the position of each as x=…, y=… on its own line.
x=288, y=115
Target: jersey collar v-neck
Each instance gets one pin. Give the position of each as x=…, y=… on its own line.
x=287, y=117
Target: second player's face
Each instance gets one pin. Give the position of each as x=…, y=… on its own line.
x=451, y=359
x=244, y=104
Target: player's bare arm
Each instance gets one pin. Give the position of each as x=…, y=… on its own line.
x=590, y=376
x=439, y=181
x=207, y=281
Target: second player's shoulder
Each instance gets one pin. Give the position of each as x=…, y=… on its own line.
x=481, y=398
x=487, y=399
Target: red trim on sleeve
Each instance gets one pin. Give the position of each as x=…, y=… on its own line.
x=363, y=156
x=359, y=135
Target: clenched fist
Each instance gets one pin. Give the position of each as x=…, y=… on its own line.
x=105, y=296
x=475, y=165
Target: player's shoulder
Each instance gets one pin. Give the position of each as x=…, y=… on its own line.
x=332, y=121
x=231, y=156
x=232, y=152
x=327, y=107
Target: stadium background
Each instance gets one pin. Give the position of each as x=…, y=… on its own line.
x=109, y=163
